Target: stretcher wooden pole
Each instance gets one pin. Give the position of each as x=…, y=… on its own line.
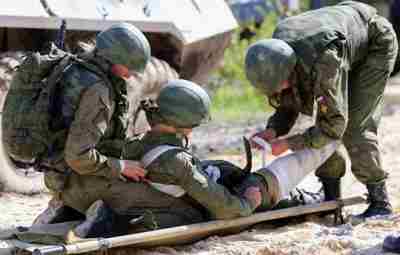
x=193, y=231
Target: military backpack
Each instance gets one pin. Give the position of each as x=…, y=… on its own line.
x=26, y=133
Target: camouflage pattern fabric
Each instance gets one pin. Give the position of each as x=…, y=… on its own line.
x=269, y=62
x=25, y=127
x=345, y=56
x=124, y=44
x=157, y=209
x=154, y=209
x=184, y=104
x=183, y=169
x=93, y=110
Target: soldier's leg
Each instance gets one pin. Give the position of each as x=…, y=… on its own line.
x=331, y=171
x=138, y=206
x=367, y=84
x=279, y=178
x=56, y=210
x=149, y=209
x=83, y=190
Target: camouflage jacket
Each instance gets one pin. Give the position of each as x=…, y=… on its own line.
x=179, y=167
x=327, y=43
x=92, y=108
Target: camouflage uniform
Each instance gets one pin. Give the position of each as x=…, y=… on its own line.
x=345, y=55
x=90, y=109
x=92, y=156
x=95, y=111
x=174, y=167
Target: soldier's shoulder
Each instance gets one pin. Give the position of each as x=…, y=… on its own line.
x=79, y=74
x=178, y=157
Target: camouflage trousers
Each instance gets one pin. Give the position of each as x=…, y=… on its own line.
x=366, y=82
x=132, y=199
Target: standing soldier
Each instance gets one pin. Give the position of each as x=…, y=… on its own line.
x=340, y=58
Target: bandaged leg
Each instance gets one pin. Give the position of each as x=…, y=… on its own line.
x=286, y=172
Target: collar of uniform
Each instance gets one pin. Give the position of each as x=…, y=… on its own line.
x=156, y=138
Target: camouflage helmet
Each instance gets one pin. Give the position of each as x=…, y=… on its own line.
x=124, y=44
x=268, y=63
x=183, y=104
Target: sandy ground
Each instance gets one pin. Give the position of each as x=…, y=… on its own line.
x=315, y=236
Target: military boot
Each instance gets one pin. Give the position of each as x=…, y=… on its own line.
x=57, y=212
x=391, y=244
x=378, y=201
x=99, y=222
x=332, y=188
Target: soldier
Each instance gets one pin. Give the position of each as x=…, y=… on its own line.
x=340, y=58
x=175, y=190
x=92, y=108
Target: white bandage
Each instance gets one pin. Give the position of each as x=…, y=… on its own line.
x=262, y=143
x=291, y=169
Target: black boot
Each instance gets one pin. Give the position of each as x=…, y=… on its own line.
x=57, y=212
x=378, y=201
x=332, y=191
x=332, y=188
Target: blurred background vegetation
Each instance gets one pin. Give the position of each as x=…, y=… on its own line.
x=233, y=96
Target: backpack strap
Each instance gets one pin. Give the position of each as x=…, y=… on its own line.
x=119, y=93
x=156, y=152
x=150, y=157
x=51, y=84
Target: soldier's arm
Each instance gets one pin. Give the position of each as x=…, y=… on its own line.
x=219, y=202
x=331, y=96
x=282, y=120
x=91, y=121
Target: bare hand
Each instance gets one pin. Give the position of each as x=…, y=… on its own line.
x=279, y=146
x=133, y=170
x=267, y=135
x=253, y=194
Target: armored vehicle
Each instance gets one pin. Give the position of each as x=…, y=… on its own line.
x=187, y=37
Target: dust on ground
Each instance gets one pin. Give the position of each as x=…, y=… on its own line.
x=315, y=236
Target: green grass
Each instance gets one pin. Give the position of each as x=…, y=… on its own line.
x=233, y=97
x=232, y=103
